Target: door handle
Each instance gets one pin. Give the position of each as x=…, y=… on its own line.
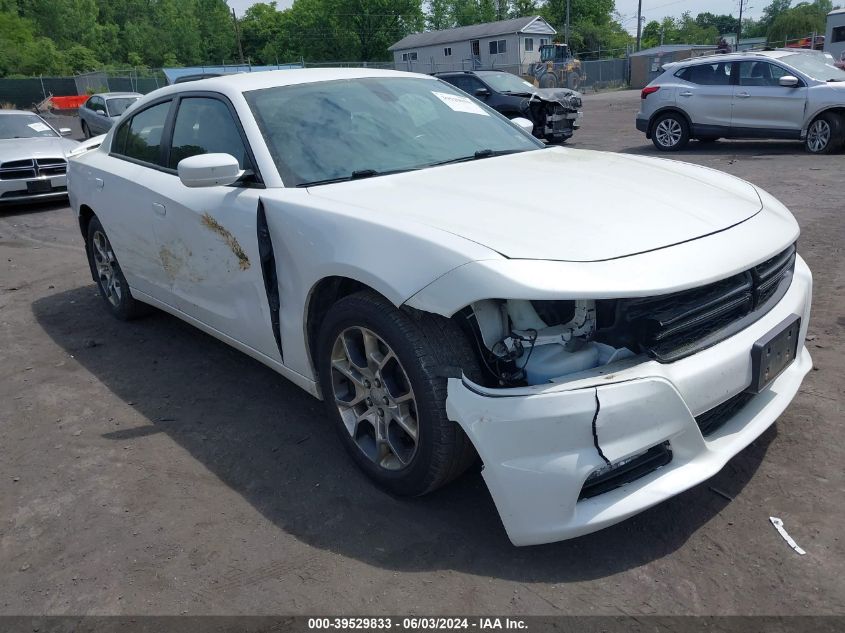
x=686, y=93
x=99, y=182
x=159, y=209
x=743, y=95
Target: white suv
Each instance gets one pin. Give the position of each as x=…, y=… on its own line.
x=776, y=94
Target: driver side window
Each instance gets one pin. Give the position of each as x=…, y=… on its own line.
x=205, y=125
x=760, y=73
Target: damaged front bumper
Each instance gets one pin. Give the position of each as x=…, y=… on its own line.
x=540, y=444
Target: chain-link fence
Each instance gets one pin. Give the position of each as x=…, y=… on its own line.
x=26, y=93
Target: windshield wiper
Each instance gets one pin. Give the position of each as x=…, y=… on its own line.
x=482, y=153
x=355, y=175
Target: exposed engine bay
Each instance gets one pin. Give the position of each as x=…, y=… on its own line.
x=534, y=342
x=555, y=112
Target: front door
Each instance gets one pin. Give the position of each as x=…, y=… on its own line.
x=762, y=107
x=475, y=51
x=208, y=236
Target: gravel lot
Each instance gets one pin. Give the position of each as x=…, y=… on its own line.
x=146, y=468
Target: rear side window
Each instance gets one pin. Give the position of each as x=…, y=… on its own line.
x=205, y=126
x=707, y=74
x=838, y=34
x=141, y=136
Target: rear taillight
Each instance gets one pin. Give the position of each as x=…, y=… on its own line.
x=648, y=90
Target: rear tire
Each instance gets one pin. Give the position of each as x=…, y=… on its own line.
x=382, y=374
x=670, y=132
x=109, y=277
x=826, y=134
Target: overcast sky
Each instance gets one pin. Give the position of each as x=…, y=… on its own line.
x=652, y=9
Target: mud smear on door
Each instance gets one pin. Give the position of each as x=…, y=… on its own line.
x=232, y=242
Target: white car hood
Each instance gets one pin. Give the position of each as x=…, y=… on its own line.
x=561, y=204
x=38, y=147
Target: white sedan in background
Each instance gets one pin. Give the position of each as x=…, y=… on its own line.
x=32, y=158
x=367, y=235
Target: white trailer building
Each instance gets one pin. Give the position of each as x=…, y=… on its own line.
x=834, y=40
x=507, y=44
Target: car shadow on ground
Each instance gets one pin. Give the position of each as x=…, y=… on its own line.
x=273, y=444
x=12, y=209
x=723, y=148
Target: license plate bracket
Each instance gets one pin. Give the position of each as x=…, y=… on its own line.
x=774, y=352
x=39, y=186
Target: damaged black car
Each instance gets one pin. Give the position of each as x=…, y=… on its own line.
x=555, y=112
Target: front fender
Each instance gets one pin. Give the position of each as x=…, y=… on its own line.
x=314, y=239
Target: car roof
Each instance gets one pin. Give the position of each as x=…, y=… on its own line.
x=740, y=56
x=234, y=85
x=109, y=95
x=243, y=82
x=29, y=112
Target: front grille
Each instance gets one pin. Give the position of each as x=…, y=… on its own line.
x=670, y=327
x=32, y=168
x=23, y=193
x=51, y=166
x=618, y=475
x=713, y=419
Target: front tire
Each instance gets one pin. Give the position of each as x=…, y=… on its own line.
x=108, y=275
x=382, y=376
x=85, y=131
x=826, y=134
x=670, y=132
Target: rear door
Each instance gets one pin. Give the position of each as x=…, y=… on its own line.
x=705, y=93
x=121, y=195
x=762, y=107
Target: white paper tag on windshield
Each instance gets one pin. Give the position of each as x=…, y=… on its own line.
x=459, y=104
x=38, y=126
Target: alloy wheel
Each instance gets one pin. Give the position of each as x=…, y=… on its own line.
x=818, y=136
x=374, y=397
x=107, y=268
x=668, y=132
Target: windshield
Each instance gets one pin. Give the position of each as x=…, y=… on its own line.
x=814, y=66
x=118, y=105
x=506, y=82
x=24, y=126
x=345, y=129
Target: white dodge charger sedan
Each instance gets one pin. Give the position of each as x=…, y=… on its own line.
x=405, y=253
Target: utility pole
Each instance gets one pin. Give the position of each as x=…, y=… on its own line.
x=568, y=3
x=238, y=36
x=739, y=24
x=639, y=23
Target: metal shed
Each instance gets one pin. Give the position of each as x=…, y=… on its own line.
x=645, y=64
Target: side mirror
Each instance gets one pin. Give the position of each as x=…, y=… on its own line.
x=788, y=81
x=524, y=124
x=482, y=92
x=65, y=131
x=209, y=170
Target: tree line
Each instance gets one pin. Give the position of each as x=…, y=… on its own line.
x=60, y=37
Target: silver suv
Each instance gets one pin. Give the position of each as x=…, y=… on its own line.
x=778, y=94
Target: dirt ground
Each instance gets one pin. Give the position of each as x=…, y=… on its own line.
x=146, y=468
